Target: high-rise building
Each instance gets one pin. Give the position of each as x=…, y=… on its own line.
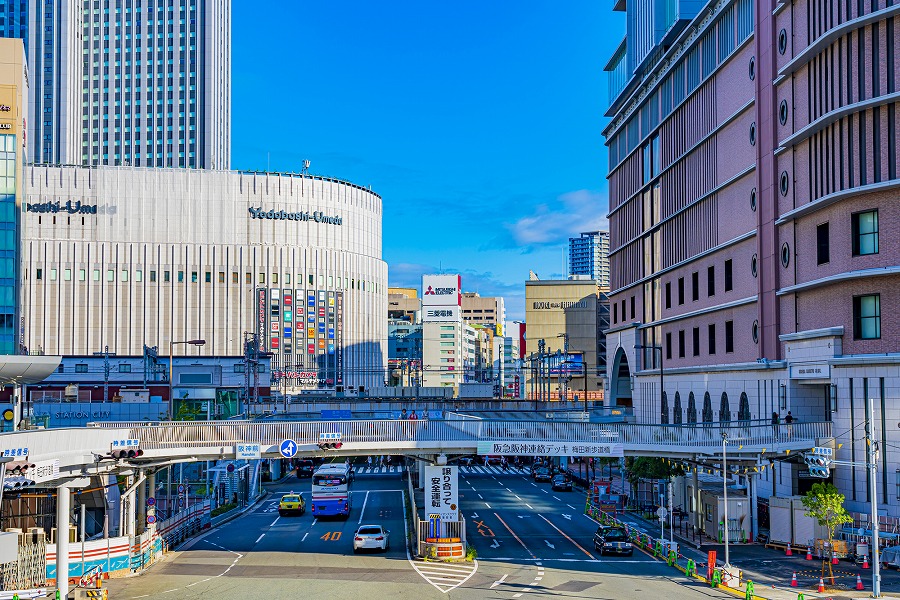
x=141, y=84
x=13, y=111
x=589, y=256
x=753, y=165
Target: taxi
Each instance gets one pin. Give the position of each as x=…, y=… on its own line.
x=291, y=503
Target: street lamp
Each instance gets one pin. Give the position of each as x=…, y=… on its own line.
x=171, y=350
x=725, y=497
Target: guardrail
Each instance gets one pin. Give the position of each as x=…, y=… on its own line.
x=701, y=436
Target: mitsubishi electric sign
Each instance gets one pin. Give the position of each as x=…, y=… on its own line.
x=441, y=290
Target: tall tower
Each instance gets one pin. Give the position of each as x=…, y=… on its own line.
x=125, y=82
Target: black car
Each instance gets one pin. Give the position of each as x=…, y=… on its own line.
x=561, y=483
x=541, y=474
x=612, y=540
x=305, y=468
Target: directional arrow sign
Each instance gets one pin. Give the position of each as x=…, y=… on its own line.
x=496, y=544
x=552, y=547
x=288, y=448
x=474, y=515
x=569, y=517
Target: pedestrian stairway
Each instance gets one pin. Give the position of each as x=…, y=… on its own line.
x=378, y=470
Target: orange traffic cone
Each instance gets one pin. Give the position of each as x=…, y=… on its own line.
x=794, y=579
x=809, y=553
x=859, y=584
x=866, y=562
x=821, y=589
x=834, y=560
x=788, y=551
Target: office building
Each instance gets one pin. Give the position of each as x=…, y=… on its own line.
x=404, y=305
x=483, y=311
x=564, y=315
x=142, y=84
x=120, y=257
x=753, y=173
x=589, y=257
x=13, y=116
x=404, y=352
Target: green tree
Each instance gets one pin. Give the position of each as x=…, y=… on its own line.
x=644, y=468
x=825, y=504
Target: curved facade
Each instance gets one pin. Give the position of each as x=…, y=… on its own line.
x=123, y=257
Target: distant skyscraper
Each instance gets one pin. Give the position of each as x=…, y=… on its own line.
x=589, y=255
x=144, y=84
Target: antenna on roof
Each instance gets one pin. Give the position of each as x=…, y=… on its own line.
x=305, y=170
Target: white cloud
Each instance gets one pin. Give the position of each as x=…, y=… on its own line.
x=547, y=225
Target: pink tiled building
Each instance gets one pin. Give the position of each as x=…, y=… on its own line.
x=753, y=217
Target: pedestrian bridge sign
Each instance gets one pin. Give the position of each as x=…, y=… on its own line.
x=550, y=448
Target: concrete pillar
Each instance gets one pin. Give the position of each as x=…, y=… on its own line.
x=132, y=508
x=752, y=483
x=141, y=519
x=63, y=519
x=151, y=487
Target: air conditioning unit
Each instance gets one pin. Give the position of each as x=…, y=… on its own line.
x=73, y=535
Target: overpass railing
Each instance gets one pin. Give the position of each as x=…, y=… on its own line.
x=687, y=436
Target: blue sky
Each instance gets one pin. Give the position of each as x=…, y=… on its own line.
x=479, y=123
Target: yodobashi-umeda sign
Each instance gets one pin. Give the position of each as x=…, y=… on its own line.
x=546, y=448
x=442, y=492
x=441, y=290
x=282, y=215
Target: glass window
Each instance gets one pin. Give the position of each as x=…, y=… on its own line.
x=681, y=344
x=696, y=335
x=711, y=330
x=52, y=274
x=711, y=280
x=234, y=278
x=238, y=367
x=96, y=274
x=221, y=276
x=138, y=275
x=274, y=278
x=82, y=274
x=668, y=294
x=287, y=279
x=181, y=276
x=153, y=276
x=822, y=249
x=124, y=368
x=110, y=275
x=39, y=274
x=867, y=317
x=248, y=278
x=729, y=336
x=167, y=276
x=681, y=290
x=193, y=276
x=865, y=233
x=695, y=286
x=67, y=274
x=262, y=277
x=81, y=368
x=728, y=282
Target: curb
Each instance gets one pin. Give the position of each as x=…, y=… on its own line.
x=188, y=544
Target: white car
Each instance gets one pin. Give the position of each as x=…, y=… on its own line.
x=371, y=537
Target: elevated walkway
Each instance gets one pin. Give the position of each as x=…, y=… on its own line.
x=84, y=451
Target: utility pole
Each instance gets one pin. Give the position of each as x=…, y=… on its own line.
x=541, y=345
x=871, y=445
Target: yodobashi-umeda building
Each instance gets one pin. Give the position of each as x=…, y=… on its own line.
x=122, y=257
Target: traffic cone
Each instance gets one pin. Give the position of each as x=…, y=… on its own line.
x=809, y=553
x=794, y=579
x=788, y=551
x=834, y=560
x=859, y=584
x=821, y=589
x=866, y=562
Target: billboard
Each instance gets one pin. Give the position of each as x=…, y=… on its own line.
x=442, y=491
x=441, y=290
x=571, y=364
x=433, y=314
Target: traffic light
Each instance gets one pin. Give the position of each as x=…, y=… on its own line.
x=819, y=466
x=336, y=445
x=127, y=453
x=17, y=483
x=18, y=467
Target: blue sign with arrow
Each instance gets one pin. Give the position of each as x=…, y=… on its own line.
x=288, y=448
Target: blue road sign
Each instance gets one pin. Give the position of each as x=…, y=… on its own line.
x=288, y=448
x=151, y=501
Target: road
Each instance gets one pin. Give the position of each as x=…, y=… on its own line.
x=530, y=543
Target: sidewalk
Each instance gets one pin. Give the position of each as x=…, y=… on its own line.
x=751, y=559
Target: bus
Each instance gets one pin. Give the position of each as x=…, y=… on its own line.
x=331, y=490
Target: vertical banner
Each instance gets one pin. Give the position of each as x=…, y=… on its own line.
x=442, y=492
x=339, y=339
x=311, y=328
x=321, y=356
x=262, y=313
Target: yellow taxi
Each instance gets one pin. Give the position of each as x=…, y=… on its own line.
x=291, y=503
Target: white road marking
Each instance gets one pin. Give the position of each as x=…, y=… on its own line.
x=275, y=521
x=304, y=537
x=570, y=506
x=363, y=511
x=259, y=538
x=499, y=581
x=480, y=497
x=552, y=547
x=496, y=543
x=486, y=504
x=529, y=506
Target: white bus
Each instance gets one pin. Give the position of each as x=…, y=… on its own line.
x=331, y=490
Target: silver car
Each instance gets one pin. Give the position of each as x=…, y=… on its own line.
x=371, y=537
x=890, y=557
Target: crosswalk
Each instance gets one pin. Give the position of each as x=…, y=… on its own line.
x=473, y=470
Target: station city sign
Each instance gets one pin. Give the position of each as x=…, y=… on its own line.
x=316, y=216
x=56, y=207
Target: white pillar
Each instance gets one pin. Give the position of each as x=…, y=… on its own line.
x=752, y=483
x=141, y=519
x=63, y=508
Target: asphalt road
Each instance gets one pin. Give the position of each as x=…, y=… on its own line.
x=531, y=543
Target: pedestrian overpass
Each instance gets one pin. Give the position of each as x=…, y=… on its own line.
x=82, y=452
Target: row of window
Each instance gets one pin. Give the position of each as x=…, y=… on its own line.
x=863, y=231
x=711, y=340
x=195, y=277
x=126, y=368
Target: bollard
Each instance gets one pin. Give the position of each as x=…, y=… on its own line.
x=691, y=568
x=716, y=578
x=799, y=596
x=672, y=558
x=749, y=594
